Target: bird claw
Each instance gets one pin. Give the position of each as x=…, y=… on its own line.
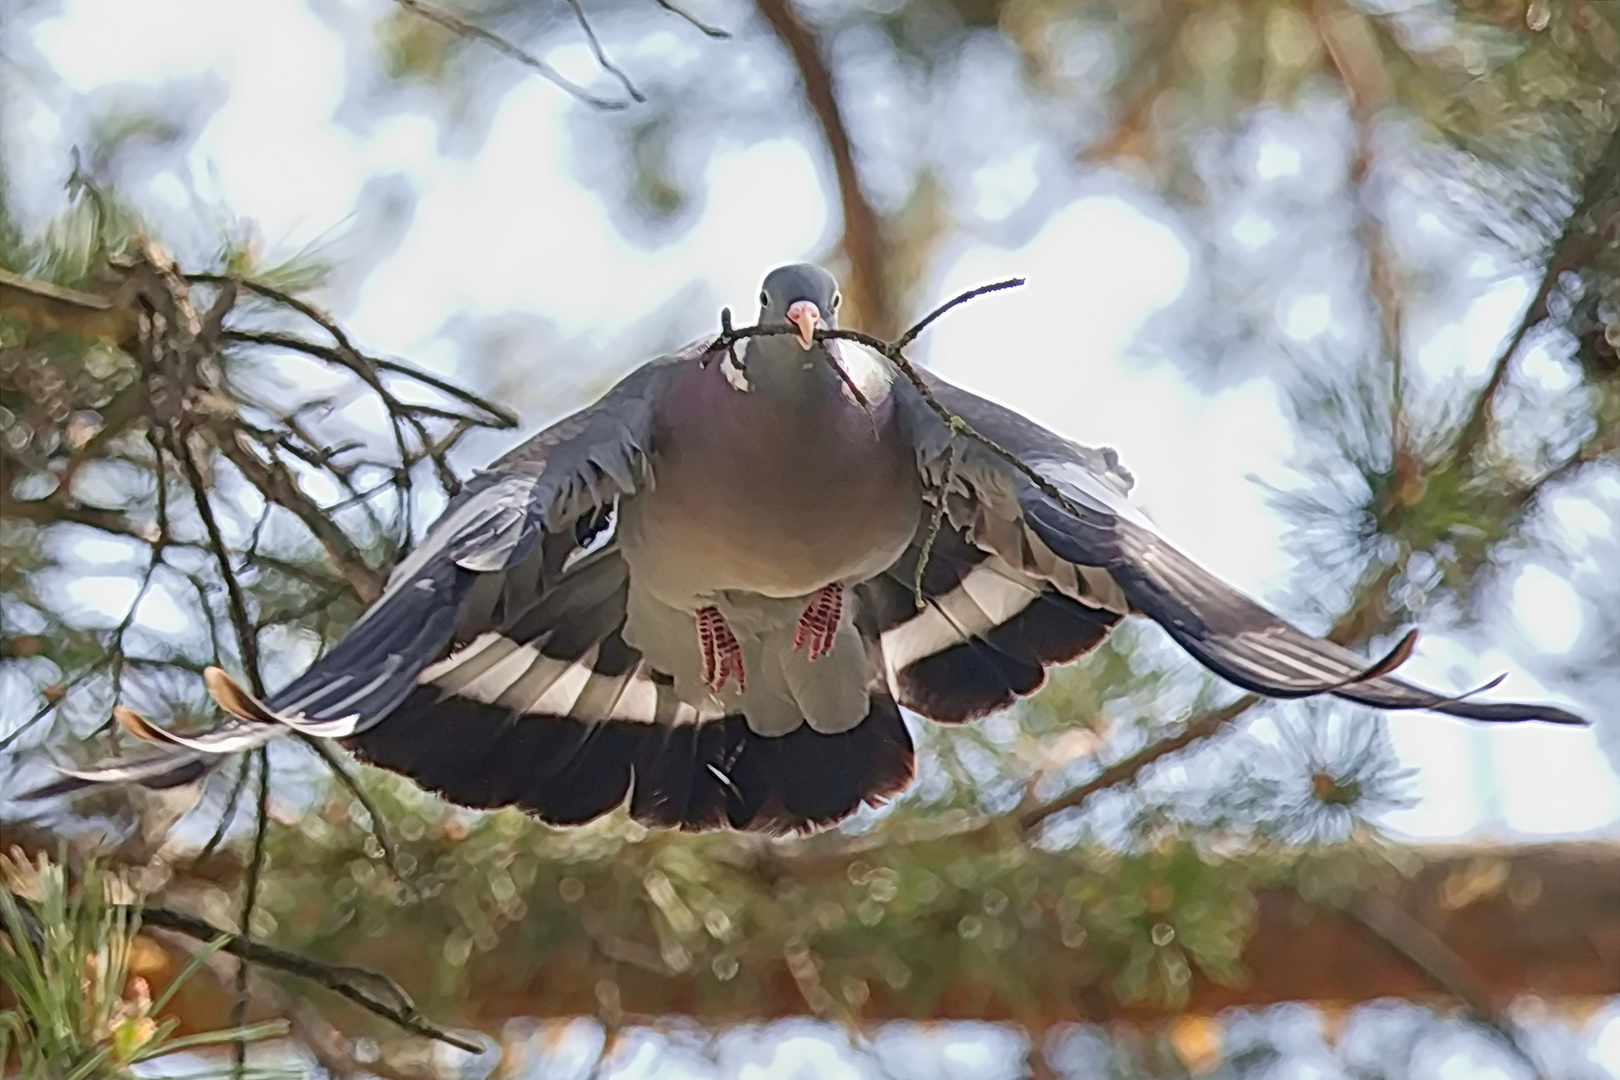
x=722, y=653
x=818, y=626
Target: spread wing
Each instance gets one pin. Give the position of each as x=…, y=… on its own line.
x=501, y=543
x=1076, y=538
x=494, y=670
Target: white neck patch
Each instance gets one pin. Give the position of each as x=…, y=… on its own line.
x=869, y=371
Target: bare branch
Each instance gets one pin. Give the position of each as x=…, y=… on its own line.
x=353, y=983
x=247, y=640
x=277, y=484
x=1123, y=772
x=495, y=415
x=675, y=9
x=53, y=511
x=250, y=899
x=1396, y=927
x=863, y=241
x=379, y=825
x=927, y=320
x=244, y=772
x=462, y=28
x=601, y=54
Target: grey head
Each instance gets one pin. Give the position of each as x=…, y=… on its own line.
x=806, y=296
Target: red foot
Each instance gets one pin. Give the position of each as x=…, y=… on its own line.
x=819, y=623
x=722, y=655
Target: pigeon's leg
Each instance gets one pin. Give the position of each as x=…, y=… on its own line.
x=819, y=623
x=722, y=654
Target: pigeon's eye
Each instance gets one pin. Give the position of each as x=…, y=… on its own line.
x=837, y=300
x=764, y=299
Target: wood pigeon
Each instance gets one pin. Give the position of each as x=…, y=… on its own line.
x=702, y=596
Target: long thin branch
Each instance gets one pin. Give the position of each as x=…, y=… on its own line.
x=250, y=898
x=600, y=53
x=379, y=824
x=462, y=28
x=495, y=415
x=116, y=522
x=676, y=9
x=926, y=321
x=53, y=511
x=863, y=242
x=244, y=772
x=913, y=376
x=247, y=640
x=344, y=980
x=1396, y=927
x=1123, y=772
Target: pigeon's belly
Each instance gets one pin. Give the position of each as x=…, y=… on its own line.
x=819, y=503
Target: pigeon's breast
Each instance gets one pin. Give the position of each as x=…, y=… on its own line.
x=764, y=496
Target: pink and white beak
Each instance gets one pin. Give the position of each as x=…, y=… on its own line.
x=807, y=317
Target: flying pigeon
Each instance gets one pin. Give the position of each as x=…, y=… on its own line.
x=710, y=594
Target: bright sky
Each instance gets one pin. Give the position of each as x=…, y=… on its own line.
x=510, y=229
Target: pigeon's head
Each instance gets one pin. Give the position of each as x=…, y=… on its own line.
x=803, y=294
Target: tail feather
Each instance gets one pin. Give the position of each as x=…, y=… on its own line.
x=693, y=776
